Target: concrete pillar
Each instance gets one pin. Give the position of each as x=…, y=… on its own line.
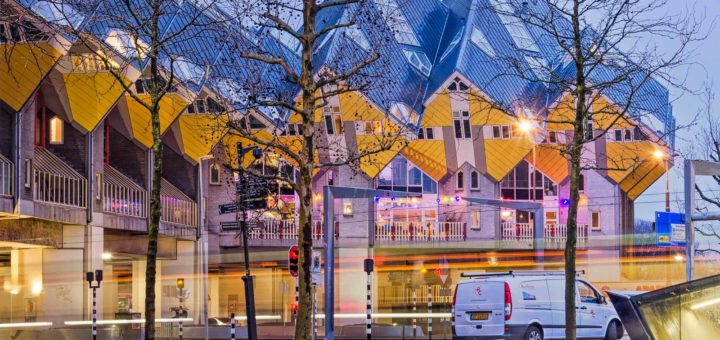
x=180, y=267
x=350, y=290
x=138, y=287
x=93, y=252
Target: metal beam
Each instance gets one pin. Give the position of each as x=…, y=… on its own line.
x=330, y=193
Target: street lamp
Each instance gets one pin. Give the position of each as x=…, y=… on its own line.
x=247, y=279
x=660, y=155
x=527, y=127
x=97, y=276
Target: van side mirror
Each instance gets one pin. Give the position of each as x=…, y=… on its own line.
x=602, y=299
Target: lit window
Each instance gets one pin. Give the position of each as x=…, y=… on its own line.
x=459, y=180
x=478, y=38
x=127, y=45
x=419, y=60
x=397, y=22
x=515, y=27
x=526, y=183
x=57, y=132
x=475, y=219
x=347, y=209
x=461, y=123
x=357, y=36
x=474, y=180
x=595, y=220
x=214, y=174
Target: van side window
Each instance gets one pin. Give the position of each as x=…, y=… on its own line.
x=587, y=294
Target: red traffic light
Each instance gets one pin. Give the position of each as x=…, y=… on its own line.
x=293, y=260
x=294, y=307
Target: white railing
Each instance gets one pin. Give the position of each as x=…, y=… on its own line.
x=7, y=183
x=122, y=196
x=552, y=232
x=428, y=231
x=178, y=211
x=282, y=230
x=59, y=189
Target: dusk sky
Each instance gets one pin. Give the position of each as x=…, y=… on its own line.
x=686, y=105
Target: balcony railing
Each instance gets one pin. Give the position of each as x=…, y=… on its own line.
x=176, y=207
x=429, y=231
x=552, y=232
x=7, y=184
x=57, y=183
x=120, y=195
x=284, y=230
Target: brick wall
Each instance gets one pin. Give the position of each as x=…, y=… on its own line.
x=128, y=158
x=7, y=130
x=73, y=149
x=179, y=172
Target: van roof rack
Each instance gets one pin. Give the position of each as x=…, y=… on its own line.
x=521, y=272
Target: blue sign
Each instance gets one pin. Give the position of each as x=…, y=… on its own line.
x=670, y=229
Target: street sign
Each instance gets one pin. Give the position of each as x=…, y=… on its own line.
x=670, y=229
x=229, y=226
x=444, y=266
x=228, y=208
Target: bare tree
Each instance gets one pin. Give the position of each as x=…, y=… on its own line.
x=594, y=66
x=148, y=40
x=286, y=79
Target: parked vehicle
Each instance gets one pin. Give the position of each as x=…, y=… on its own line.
x=528, y=305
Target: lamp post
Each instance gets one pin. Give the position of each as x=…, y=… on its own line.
x=661, y=155
x=242, y=197
x=97, y=276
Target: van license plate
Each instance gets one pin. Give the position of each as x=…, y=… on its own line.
x=479, y=316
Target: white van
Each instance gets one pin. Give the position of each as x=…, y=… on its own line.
x=528, y=305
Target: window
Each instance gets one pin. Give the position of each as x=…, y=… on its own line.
x=587, y=293
x=515, y=27
x=426, y=133
x=539, y=67
x=459, y=180
x=478, y=38
x=214, y=174
x=293, y=130
x=397, y=22
x=129, y=46
x=552, y=137
x=419, y=60
x=595, y=220
x=358, y=37
x=333, y=120
x=402, y=175
x=506, y=132
x=369, y=127
x=461, y=122
x=22, y=32
x=628, y=135
x=618, y=135
x=475, y=219
x=57, y=130
x=581, y=183
x=474, y=180
x=589, y=132
x=500, y=131
x=526, y=183
x=88, y=62
x=457, y=85
x=142, y=85
x=188, y=71
x=625, y=135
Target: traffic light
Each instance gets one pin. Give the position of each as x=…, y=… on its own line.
x=181, y=283
x=294, y=307
x=293, y=260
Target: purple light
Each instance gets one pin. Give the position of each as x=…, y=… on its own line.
x=392, y=198
x=457, y=198
x=377, y=198
x=564, y=202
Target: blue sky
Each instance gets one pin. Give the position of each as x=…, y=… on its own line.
x=706, y=67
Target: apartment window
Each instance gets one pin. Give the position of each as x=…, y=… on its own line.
x=358, y=37
x=581, y=182
x=461, y=122
x=478, y=38
x=552, y=137
x=419, y=60
x=618, y=135
x=126, y=44
x=426, y=133
x=333, y=120
x=370, y=127
x=595, y=220
x=474, y=180
x=15, y=33
x=402, y=175
x=459, y=180
x=526, y=183
x=57, y=130
x=475, y=219
x=589, y=132
x=293, y=130
x=501, y=131
x=399, y=25
x=214, y=174
x=457, y=85
x=628, y=135
x=515, y=26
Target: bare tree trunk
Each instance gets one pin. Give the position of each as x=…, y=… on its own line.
x=157, y=147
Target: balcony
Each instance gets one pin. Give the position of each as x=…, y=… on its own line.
x=178, y=212
x=58, y=190
x=421, y=232
x=282, y=230
x=123, y=201
x=555, y=235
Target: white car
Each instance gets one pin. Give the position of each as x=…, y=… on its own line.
x=528, y=305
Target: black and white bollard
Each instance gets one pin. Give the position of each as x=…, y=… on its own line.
x=97, y=276
x=232, y=326
x=414, y=309
x=314, y=312
x=94, y=314
x=369, y=264
x=429, y=311
x=180, y=330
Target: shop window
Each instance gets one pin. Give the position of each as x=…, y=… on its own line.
x=214, y=174
x=474, y=180
x=57, y=130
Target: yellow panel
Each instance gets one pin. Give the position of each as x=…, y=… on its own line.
x=91, y=96
x=355, y=107
x=429, y=156
x=373, y=163
x=171, y=106
x=503, y=155
x=550, y=162
x=623, y=157
x=22, y=68
x=438, y=112
x=650, y=178
x=230, y=141
x=562, y=117
x=200, y=133
x=607, y=116
x=482, y=112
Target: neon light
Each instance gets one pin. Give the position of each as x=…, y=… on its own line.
x=25, y=324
